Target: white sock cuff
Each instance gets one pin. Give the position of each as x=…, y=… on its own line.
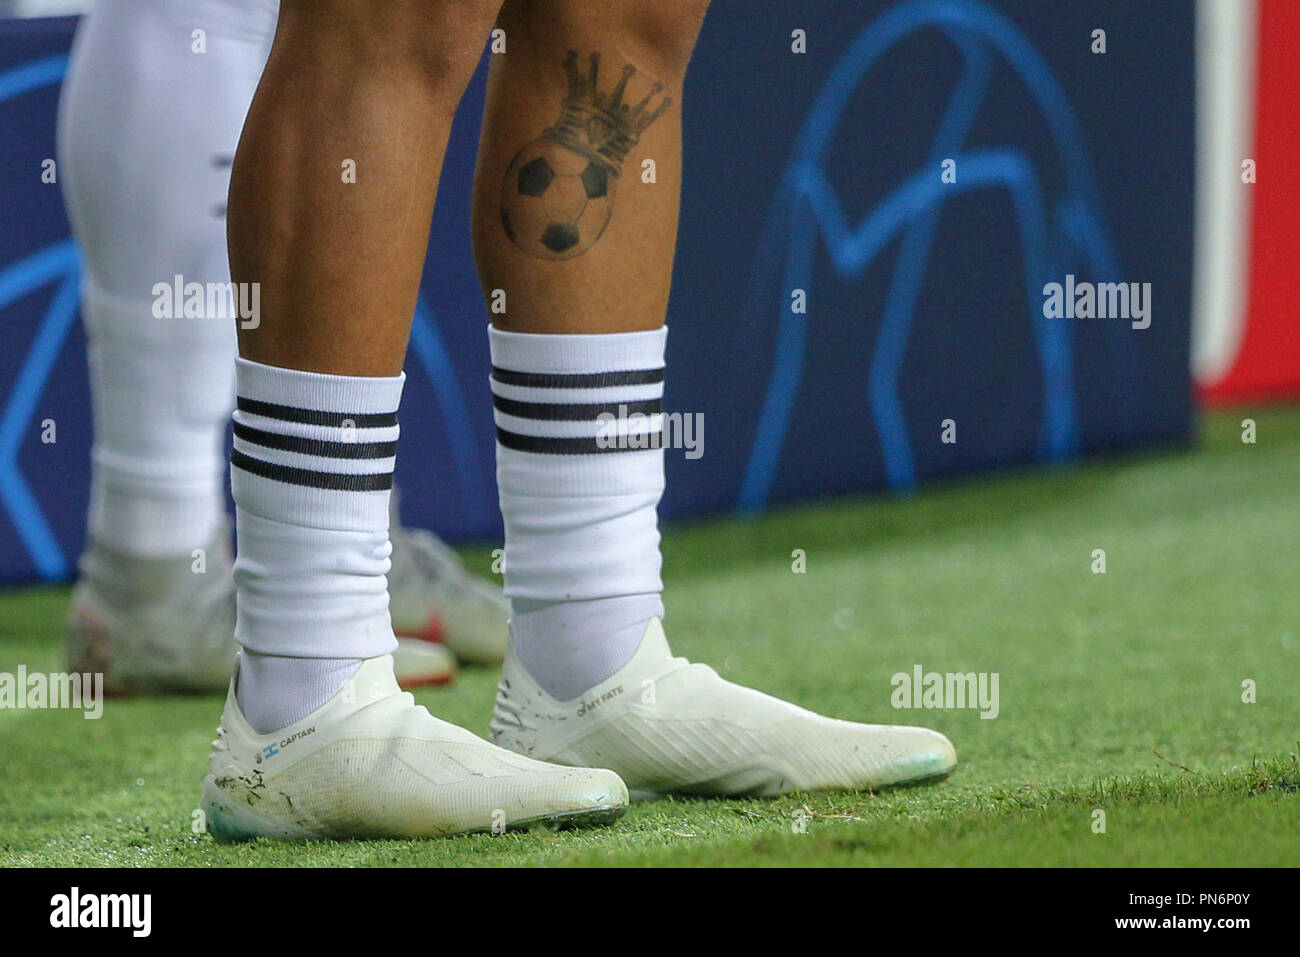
x=580, y=514
x=315, y=450
x=577, y=354
x=563, y=548
x=540, y=386
x=308, y=592
x=318, y=391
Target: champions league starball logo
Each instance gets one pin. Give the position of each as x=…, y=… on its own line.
x=1058, y=229
x=558, y=193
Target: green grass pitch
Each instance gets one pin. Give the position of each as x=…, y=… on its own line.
x=1119, y=691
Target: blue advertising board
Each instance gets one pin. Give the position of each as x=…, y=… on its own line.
x=875, y=196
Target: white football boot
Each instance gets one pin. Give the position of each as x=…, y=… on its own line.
x=669, y=726
x=370, y=763
x=154, y=626
x=434, y=600
x=167, y=625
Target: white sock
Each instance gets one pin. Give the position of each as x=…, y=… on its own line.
x=146, y=129
x=311, y=473
x=276, y=692
x=569, y=646
x=161, y=392
x=582, y=556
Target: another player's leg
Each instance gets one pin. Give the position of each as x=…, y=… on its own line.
x=330, y=203
x=439, y=607
x=582, y=246
x=146, y=132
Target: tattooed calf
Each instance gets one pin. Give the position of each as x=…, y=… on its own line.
x=558, y=193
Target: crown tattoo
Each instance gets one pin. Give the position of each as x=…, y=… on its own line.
x=601, y=126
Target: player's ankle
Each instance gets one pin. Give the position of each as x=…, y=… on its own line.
x=275, y=692
x=569, y=647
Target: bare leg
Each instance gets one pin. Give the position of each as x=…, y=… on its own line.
x=575, y=220
x=613, y=280
x=590, y=677
x=339, y=262
x=374, y=83
x=331, y=198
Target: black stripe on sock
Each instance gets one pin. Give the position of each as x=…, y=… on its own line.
x=338, y=482
x=297, y=443
x=577, y=380
x=289, y=413
x=573, y=411
x=583, y=445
